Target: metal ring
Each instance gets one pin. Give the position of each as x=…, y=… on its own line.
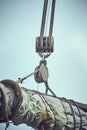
x=44, y=55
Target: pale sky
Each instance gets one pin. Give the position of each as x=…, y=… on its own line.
x=20, y=22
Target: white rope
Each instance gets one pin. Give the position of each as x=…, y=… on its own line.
x=20, y=80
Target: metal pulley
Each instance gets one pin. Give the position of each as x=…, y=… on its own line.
x=42, y=74
x=47, y=45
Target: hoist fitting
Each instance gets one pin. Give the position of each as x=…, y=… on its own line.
x=42, y=74
x=44, y=46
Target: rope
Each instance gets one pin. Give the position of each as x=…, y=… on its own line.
x=51, y=108
x=74, y=127
x=63, y=108
x=43, y=21
x=48, y=88
x=20, y=80
x=80, y=115
x=7, y=122
x=52, y=19
x=7, y=125
x=75, y=104
x=48, y=17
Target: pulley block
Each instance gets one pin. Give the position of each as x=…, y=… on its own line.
x=42, y=74
x=46, y=46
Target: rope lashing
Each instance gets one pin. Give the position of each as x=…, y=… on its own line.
x=74, y=127
x=80, y=115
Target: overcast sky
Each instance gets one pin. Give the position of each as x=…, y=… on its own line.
x=20, y=22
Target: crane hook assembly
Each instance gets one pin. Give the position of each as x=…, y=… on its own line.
x=44, y=47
